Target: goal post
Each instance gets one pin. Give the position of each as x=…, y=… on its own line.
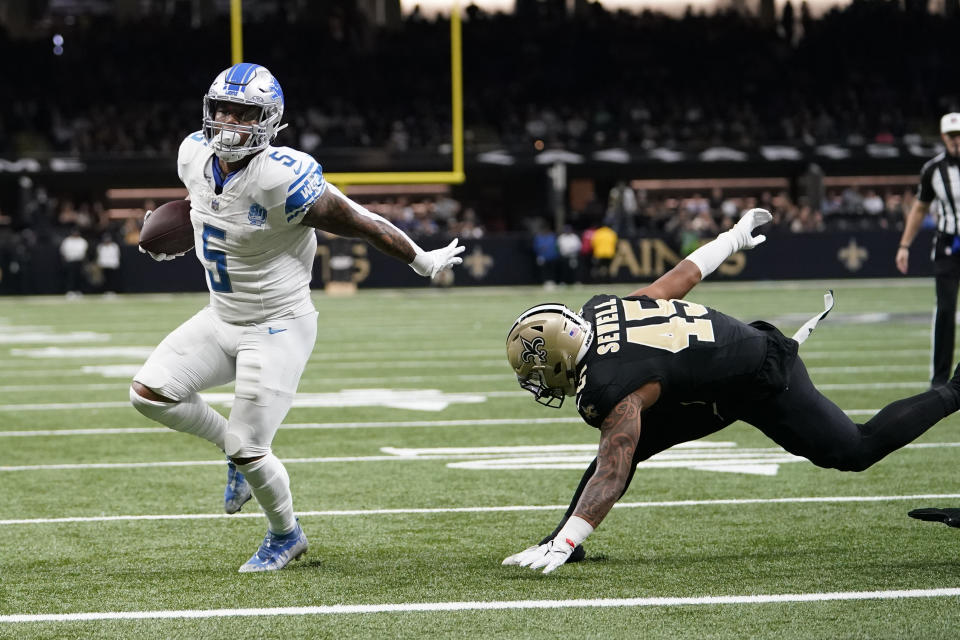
x=344, y=180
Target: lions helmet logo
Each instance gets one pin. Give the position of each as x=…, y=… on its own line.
x=533, y=350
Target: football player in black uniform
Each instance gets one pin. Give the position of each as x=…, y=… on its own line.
x=684, y=371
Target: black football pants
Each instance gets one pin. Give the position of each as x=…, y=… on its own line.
x=801, y=420
x=946, y=271
x=806, y=423
x=944, y=327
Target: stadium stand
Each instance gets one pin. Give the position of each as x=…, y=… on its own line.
x=703, y=96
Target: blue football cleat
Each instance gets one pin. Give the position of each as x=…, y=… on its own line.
x=277, y=551
x=238, y=489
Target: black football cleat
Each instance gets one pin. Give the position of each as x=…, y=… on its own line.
x=949, y=517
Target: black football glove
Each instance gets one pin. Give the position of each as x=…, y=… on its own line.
x=949, y=517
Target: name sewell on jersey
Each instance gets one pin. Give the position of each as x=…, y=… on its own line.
x=257, y=255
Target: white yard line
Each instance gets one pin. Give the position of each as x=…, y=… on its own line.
x=847, y=386
x=421, y=607
x=392, y=424
x=96, y=386
x=305, y=382
x=77, y=406
x=571, y=455
x=26, y=433
x=510, y=508
x=122, y=382
x=868, y=368
x=207, y=463
x=861, y=354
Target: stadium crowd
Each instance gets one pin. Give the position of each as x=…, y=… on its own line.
x=631, y=80
x=628, y=79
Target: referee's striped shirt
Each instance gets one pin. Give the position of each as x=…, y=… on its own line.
x=940, y=188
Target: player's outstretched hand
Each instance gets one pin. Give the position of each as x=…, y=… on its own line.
x=949, y=517
x=430, y=263
x=547, y=556
x=743, y=230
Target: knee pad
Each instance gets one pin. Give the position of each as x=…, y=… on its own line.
x=240, y=441
x=252, y=426
x=189, y=415
x=153, y=409
x=854, y=459
x=156, y=377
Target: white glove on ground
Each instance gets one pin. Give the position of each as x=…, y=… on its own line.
x=547, y=556
x=517, y=558
x=159, y=257
x=430, y=263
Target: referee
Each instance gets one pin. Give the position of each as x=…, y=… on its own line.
x=940, y=190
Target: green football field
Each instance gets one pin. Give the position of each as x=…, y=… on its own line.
x=418, y=464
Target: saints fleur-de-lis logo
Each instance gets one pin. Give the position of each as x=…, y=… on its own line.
x=533, y=350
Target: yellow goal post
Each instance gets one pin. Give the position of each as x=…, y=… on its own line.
x=345, y=180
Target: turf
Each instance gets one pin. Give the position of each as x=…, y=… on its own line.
x=407, y=530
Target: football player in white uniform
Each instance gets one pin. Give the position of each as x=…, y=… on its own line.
x=254, y=208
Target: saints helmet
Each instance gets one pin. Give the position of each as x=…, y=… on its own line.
x=543, y=347
x=255, y=87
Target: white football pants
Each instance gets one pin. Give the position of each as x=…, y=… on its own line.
x=266, y=360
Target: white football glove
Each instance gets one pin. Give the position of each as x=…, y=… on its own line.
x=547, y=556
x=430, y=263
x=518, y=558
x=742, y=232
x=159, y=257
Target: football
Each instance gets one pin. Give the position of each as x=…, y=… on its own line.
x=168, y=229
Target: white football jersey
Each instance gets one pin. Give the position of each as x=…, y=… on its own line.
x=258, y=256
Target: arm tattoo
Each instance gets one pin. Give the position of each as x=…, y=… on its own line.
x=618, y=440
x=334, y=215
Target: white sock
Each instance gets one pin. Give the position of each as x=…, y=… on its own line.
x=271, y=486
x=190, y=415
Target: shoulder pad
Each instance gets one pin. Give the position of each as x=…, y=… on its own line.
x=282, y=166
x=293, y=178
x=190, y=147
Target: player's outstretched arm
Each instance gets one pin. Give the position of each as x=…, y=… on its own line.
x=336, y=213
x=619, y=435
x=678, y=282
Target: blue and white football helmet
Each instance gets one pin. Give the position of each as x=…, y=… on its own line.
x=244, y=84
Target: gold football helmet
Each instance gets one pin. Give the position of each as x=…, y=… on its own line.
x=543, y=348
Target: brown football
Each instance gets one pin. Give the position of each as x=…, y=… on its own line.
x=168, y=229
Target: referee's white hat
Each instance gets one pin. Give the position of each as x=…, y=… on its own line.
x=950, y=123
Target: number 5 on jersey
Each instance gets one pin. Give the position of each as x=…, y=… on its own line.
x=219, y=281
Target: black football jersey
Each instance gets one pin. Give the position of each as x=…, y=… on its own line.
x=696, y=353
